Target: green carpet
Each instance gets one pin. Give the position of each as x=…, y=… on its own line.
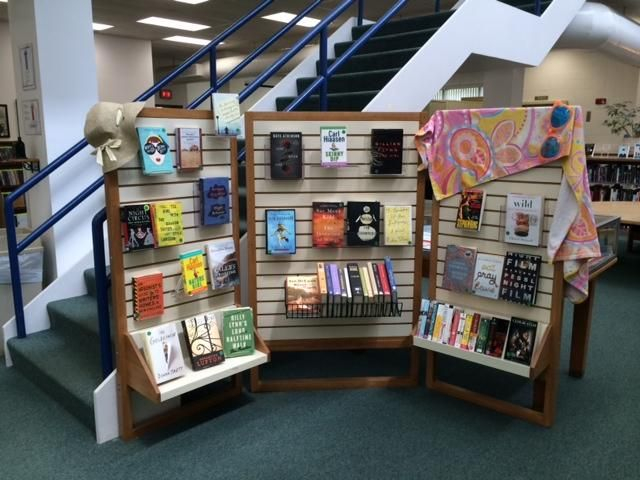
x=376, y=433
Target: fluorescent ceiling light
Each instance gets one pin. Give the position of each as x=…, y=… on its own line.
x=286, y=17
x=191, y=40
x=99, y=26
x=177, y=24
x=4, y=1
x=192, y=2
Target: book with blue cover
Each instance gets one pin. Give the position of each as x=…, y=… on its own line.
x=280, y=231
x=214, y=201
x=156, y=155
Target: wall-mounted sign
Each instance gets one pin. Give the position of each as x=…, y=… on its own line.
x=601, y=101
x=30, y=117
x=27, y=67
x=541, y=97
x=166, y=94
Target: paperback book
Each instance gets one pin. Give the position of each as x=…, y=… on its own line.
x=202, y=336
x=363, y=223
x=303, y=295
x=162, y=351
x=328, y=224
x=227, y=116
x=397, y=225
x=156, y=156
x=214, y=201
x=223, y=263
x=286, y=155
x=148, y=296
x=386, y=151
x=333, y=146
x=167, y=223
x=520, y=278
x=189, y=148
x=194, y=275
x=238, y=338
x=280, y=230
x=487, y=275
x=524, y=219
x=137, y=227
x=521, y=340
x=498, y=328
x=471, y=209
x=458, y=268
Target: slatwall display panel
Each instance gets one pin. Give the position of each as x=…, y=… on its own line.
x=351, y=183
x=135, y=187
x=489, y=239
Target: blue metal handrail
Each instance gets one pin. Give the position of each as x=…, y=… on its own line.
x=102, y=289
x=538, y=8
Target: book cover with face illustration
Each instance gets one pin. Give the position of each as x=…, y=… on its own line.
x=155, y=151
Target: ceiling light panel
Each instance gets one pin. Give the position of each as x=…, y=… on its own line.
x=286, y=17
x=190, y=40
x=169, y=23
x=98, y=27
x=192, y=2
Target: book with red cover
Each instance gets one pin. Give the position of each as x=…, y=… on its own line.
x=148, y=296
x=328, y=226
x=498, y=329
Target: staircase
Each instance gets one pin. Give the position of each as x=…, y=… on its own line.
x=65, y=360
x=378, y=61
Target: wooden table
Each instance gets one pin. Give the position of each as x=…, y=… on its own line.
x=629, y=213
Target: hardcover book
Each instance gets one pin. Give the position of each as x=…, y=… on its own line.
x=303, y=294
x=148, y=296
x=397, y=225
x=458, y=268
x=333, y=143
x=487, y=275
x=214, y=200
x=286, y=155
x=189, y=148
x=357, y=292
x=227, y=116
x=194, y=275
x=167, y=223
x=363, y=220
x=520, y=276
x=524, y=219
x=280, y=230
x=483, y=333
x=156, y=156
x=223, y=263
x=521, y=340
x=498, y=328
x=470, y=209
x=386, y=151
x=391, y=278
x=328, y=224
x=202, y=337
x=323, y=286
x=238, y=339
x=137, y=227
x=162, y=351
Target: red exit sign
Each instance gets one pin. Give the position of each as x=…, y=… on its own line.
x=601, y=101
x=166, y=94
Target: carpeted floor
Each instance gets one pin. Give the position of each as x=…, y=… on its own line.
x=377, y=433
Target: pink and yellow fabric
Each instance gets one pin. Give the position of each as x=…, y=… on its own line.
x=465, y=148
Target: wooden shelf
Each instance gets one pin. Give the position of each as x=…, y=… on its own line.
x=613, y=159
x=17, y=163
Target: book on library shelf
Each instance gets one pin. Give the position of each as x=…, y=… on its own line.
x=520, y=276
x=397, y=225
x=161, y=346
x=194, y=275
x=327, y=224
x=303, y=294
x=227, y=116
x=363, y=223
x=509, y=339
x=524, y=219
x=189, y=148
x=280, y=231
x=214, y=200
x=458, y=268
x=470, y=209
x=487, y=275
x=238, y=337
x=167, y=223
x=137, y=227
x=333, y=146
x=286, y=156
x=148, y=296
x=156, y=155
x=386, y=151
x=202, y=337
x=223, y=263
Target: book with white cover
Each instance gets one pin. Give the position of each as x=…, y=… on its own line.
x=163, y=353
x=524, y=219
x=487, y=275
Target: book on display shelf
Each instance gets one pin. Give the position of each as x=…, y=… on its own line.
x=524, y=219
x=148, y=296
x=487, y=275
x=459, y=268
x=386, y=151
x=328, y=228
x=163, y=353
x=222, y=259
x=214, y=201
x=194, y=275
x=137, y=227
x=397, y=225
x=521, y=340
x=520, y=276
x=189, y=148
x=156, y=155
x=238, y=338
x=286, y=155
x=470, y=209
x=202, y=336
x=280, y=225
x=167, y=223
x=363, y=223
x=333, y=146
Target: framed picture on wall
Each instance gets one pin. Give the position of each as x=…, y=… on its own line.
x=4, y=122
x=27, y=67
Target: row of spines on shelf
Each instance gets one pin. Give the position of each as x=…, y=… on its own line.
x=11, y=178
x=607, y=173
x=614, y=193
x=511, y=339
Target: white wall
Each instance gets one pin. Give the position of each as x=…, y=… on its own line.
x=7, y=82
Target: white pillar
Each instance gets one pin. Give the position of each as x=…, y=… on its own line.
x=504, y=87
x=60, y=36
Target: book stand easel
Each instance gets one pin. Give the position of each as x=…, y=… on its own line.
x=545, y=181
x=267, y=273
x=128, y=185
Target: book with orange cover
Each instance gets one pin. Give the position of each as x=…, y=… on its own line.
x=328, y=227
x=148, y=296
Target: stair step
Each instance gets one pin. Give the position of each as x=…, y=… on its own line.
x=338, y=102
x=405, y=25
x=375, y=61
x=68, y=371
x=347, y=82
x=396, y=41
x=90, y=280
x=75, y=317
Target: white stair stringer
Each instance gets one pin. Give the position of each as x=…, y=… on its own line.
x=518, y=37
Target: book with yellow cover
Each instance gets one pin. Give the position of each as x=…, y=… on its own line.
x=397, y=225
x=167, y=223
x=194, y=276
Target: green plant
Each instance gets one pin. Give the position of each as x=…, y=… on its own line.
x=623, y=118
